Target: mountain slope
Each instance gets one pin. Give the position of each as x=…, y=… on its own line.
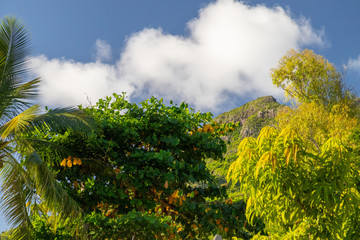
x=252, y=117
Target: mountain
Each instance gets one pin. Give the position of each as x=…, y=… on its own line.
x=252, y=117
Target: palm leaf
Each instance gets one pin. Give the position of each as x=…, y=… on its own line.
x=16, y=192
x=50, y=191
x=19, y=123
x=17, y=98
x=25, y=143
x=14, y=93
x=62, y=119
x=14, y=49
x=57, y=120
x=22, y=183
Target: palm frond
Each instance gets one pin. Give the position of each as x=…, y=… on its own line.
x=14, y=49
x=20, y=122
x=50, y=191
x=57, y=120
x=27, y=90
x=16, y=192
x=62, y=119
x=14, y=91
x=22, y=183
x=23, y=144
x=16, y=99
x=30, y=177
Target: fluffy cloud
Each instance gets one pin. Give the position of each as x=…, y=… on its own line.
x=227, y=55
x=66, y=83
x=354, y=64
x=103, y=50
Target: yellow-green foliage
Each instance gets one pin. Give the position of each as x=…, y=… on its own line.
x=301, y=178
x=308, y=77
x=295, y=191
x=316, y=124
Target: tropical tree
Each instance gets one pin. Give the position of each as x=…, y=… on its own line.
x=307, y=77
x=144, y=175
x=25, y=177
x=301, y=178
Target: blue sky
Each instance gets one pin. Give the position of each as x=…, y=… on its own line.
x=216, y=55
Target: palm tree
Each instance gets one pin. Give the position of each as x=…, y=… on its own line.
x=24, y=174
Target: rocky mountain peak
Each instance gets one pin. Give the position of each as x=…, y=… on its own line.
x=253, y=115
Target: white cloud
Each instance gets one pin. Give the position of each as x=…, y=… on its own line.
x=68, y=83
x=103, y=50
x=228, y=52
x=354, y=64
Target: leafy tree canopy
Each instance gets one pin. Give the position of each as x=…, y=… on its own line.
x=307, y=77
x=146, y=167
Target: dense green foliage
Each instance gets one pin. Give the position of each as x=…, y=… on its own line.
x=44, y=230
x=146, y=167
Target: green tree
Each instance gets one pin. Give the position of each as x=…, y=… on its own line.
x=25, y=176
x=301, y=177
x=307, y=77
x=147, y=168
